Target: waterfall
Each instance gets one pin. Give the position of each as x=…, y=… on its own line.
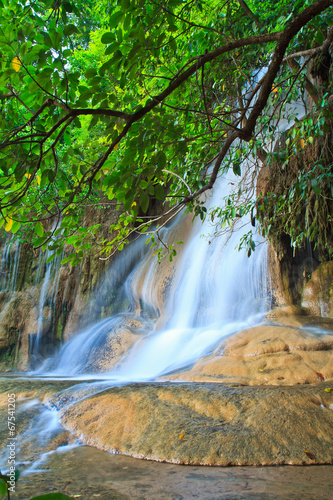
x=47, y=296
x=14, y=268
x=9, y=267
x=42, y=297
x=216, y=291
x=5, y=266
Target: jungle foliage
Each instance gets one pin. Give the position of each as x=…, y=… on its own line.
x=127, y=102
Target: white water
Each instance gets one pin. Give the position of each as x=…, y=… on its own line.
x=218, y=291
x=9, y=266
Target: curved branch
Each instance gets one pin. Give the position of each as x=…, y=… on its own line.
x=287, y=35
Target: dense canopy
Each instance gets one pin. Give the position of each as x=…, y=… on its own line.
x=127, y=102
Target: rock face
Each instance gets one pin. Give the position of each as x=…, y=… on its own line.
x=298, y=227
x=208, y=424
x=317, y=294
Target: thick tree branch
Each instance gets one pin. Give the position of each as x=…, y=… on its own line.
x=249, y=12
x=311, y=52
x=201, y=61
x=287, y=35
x=246, y=133
x=282, y=40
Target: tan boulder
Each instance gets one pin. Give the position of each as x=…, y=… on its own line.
x=268, y=354
x=208, y=424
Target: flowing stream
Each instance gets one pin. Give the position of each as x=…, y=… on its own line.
x=175, y=314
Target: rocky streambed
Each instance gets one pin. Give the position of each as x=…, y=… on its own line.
x=262, y=397
x=183, y=423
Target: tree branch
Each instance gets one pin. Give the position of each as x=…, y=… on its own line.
x=311, y=52
x=249, y=12
x=287, y=35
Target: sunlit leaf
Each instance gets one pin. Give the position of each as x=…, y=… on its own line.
x=39, y=229
x=16, y=64
x=8, y=225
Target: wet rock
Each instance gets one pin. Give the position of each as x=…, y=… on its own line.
x=209, y=424
x=299, y=350
x=121, y=337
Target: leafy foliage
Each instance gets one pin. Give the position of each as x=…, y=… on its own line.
x=297, y=201
x=131, y=103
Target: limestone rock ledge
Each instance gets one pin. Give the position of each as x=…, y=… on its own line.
x=292, y=350
x=207, y=424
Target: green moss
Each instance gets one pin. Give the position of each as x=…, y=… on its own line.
x=59, y=328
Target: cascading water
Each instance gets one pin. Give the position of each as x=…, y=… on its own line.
x=42, y=297
x=83, y=352
x=14, y=268
x=48, y=293
x=9, y=266
x=216, y=291
x=213, y=291
x=5, y=266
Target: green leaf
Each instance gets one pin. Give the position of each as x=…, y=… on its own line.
x=108, y=37
x=68, y=7
x=161, y=159
x=159, y=192
x=111, y=48
x=90, y=73
x=51, y=258
x=70, y=29
x=315, y=186
x=144, y=202
x=115, y=20
x=73, y=239
x=39, y=229
x=3, y=488
x=236, y=167
x=16, y=226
